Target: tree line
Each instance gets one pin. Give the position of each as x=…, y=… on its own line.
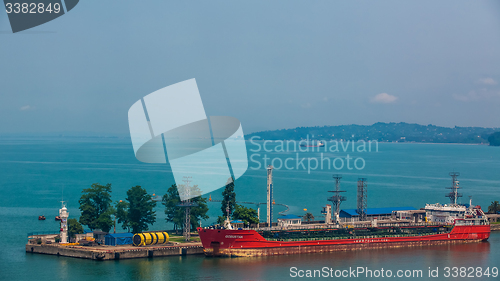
x=235, y=211
x=494, y=208
x=383, y=132
x=137, y=212
x=494, y=139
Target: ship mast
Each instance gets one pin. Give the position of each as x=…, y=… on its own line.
x=336, y=199
x=453, y=195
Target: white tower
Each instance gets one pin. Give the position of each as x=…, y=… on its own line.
x=270, y=195
x=63, y=214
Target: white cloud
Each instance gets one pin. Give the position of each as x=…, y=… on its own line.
x=384, y=98
x=487, y=81
x=26, y=107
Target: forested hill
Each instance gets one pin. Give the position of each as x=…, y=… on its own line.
x=390, y=132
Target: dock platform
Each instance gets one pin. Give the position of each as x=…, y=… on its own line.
x=103, y=253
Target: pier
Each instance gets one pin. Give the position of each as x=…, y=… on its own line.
x=102, y=253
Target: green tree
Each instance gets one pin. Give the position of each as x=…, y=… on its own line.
x=199, y=212
x=247, y=215
x=220, y=219
x=95, y=207
x=308, y=217
x=104, y=222
x=494, y=139
x=122, y=214
x=173, y=212
x=74, y=227
x=141, y=211
x=494, y=207
x=176, y=215
x=228, y=198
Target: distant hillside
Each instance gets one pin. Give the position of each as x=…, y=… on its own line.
x=383, y=132
x=494, y=139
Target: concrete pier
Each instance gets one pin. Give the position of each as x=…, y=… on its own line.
x=115, y=252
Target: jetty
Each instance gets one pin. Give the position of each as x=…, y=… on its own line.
x=102, y=253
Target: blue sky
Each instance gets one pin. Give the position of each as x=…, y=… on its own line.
x=271, y=64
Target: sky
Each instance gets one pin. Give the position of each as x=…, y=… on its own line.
x=271, y=64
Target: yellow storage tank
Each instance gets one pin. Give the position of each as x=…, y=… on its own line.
x=150, y=238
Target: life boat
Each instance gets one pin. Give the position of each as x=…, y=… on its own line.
x=41, y=218
x=58, y=218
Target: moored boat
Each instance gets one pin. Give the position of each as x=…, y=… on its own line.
x=450, y=223
x=230, y=242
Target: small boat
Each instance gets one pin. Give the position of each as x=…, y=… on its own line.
x=58, y=218
x=41, y=218
x=313, y=144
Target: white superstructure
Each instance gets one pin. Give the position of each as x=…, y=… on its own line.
x=452, y=213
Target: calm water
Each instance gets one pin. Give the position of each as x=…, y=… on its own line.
x=36, y=173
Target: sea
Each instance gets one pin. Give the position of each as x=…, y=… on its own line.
x=37, y=173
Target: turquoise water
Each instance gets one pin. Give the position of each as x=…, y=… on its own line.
x=35, y=174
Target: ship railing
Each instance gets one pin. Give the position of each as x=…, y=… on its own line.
x=350, y=237
x=461, y=222
x=355, y=225
x=298, y=227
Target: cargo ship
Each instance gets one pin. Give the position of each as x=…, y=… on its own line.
x=439, y=224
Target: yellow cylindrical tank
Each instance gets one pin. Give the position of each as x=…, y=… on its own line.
x=150, y=238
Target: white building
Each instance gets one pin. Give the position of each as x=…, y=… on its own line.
x=289, y=220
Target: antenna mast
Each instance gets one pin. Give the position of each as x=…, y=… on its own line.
x=361, y=210
x=453, y=195
x=336, y=199
x=187, y=204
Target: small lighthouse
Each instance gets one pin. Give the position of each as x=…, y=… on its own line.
x=63, y=214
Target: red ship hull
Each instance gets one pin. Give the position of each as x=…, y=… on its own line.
x=225, y=242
